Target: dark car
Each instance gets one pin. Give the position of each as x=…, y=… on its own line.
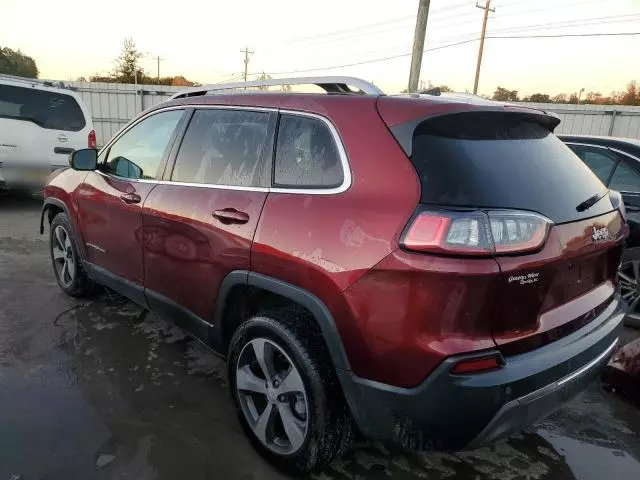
x=616, y=161
x=438, y=271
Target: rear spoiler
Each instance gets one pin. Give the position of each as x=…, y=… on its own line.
x=394, y=114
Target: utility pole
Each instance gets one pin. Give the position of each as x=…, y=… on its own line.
x=246, y=52
x=418, y=44
x=158, y=59
x=487, y=8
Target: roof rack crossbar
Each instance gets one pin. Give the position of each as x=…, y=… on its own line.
x=328, y=84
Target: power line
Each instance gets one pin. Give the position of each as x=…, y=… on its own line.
x=370, y=61
x=392, y=57
x=349, y=31
x=616, y=34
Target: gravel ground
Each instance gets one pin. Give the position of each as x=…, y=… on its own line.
x=100, y=389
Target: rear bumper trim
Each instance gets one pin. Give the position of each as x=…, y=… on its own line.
x=589, y=365
x=532, y=402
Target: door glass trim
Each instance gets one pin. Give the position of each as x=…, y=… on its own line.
x=347, y=177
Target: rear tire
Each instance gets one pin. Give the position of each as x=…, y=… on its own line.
x=302, y=390
x=65, y=259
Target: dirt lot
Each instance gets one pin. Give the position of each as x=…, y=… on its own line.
x=99, y=389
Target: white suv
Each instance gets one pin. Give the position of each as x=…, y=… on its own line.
x=41, y=123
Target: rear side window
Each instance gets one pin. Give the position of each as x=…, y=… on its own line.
x=50, y=110
x=502, y=160
x=223, y=147
x=625, y=179
x=599, y=160
x=306, y=154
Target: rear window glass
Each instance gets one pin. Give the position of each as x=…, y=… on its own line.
x=498, y=160
x=48, y=109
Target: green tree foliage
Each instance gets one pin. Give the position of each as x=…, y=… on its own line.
x=505, y=95
x=538, y=98
x=127, y=70
x=128, y=63
x=14, y=62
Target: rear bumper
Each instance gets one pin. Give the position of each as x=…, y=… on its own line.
x=453, y=412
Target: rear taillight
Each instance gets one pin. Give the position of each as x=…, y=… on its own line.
x=92, y=139
x=618, y=203
x=476, y=232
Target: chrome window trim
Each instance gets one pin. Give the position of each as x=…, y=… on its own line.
x=346, y=169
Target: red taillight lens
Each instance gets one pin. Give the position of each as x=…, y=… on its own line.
x=92, y=139
x=477, y=365
x=476, y=233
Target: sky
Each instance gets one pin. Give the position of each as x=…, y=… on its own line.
x=201, y=40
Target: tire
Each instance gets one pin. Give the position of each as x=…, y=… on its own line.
x=319, y=422
x=65, y=259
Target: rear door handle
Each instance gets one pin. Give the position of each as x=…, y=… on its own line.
x=130, y=198
x=230, y=215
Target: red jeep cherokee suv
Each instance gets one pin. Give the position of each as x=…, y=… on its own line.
x=438, y=271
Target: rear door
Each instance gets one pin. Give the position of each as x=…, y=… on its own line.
x=110, y=200
x=200, y=222
x=510, y=164
x=40, y=126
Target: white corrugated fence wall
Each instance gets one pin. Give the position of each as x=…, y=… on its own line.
x=112, y=105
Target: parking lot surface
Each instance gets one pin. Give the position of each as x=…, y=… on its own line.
x=101, y=389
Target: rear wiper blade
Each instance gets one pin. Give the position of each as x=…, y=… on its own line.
x=590, y=202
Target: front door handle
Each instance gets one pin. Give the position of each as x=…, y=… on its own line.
x=130, y=198
x=230, y=215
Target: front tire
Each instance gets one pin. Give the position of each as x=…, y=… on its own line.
x=287, y=395
x=67, y=264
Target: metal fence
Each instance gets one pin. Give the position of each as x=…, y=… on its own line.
x=112, y=105
x=608, y=120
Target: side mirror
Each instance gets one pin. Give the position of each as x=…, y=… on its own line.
x=85, y=159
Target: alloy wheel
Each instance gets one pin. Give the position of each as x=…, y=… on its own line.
x=63, y=256
x=272, y=396
x=629, y=275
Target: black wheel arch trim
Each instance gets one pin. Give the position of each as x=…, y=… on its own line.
x=48, y=202
x=306, y=299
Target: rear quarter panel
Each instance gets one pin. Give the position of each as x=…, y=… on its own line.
x=324, y=243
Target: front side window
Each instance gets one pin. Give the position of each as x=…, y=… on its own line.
x=47, y=109
x=625, y=179
x=138, y=153
x=599, y=160
x=306, y=154
x=222, y=147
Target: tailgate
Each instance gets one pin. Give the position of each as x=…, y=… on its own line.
x=552, y=293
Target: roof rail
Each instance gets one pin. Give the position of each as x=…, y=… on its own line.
x=329, y=84
x=33, y=81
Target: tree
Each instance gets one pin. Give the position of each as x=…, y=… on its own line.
x=573, y=98
x=504, y=95
x=14, y=62
x=631, y=96
x=263, y=76
x=593, y=98
x=560, y=98
x=445, y=88
x=127, y=64
x=538, y=98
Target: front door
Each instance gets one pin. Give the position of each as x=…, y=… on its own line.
x=199, y=224
x=110, y=201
